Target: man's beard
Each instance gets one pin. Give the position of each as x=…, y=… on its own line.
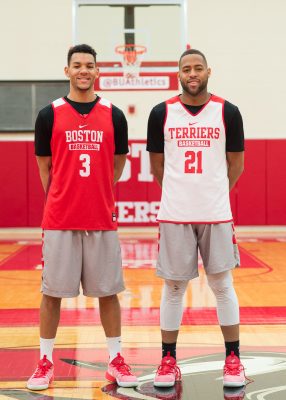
x=196, y=91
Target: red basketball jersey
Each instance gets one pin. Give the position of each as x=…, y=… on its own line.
x=81, y=191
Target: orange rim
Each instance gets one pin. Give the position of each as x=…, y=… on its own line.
x=130, y=51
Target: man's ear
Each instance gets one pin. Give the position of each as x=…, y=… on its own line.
x=66, y=71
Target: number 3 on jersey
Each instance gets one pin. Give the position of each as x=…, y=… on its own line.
x=85, y=158
x=193, y=162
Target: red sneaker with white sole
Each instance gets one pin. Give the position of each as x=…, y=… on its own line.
x=43, y=376
x=167, y=373
x=233, y=372
x=118, y=371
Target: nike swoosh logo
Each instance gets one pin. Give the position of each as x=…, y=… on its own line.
x=82, y=126
x=193, y=123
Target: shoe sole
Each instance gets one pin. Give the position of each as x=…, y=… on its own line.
x=39, y=387
x=127, y=384
x=234, y=384
x=111, y=379
x=164, y=384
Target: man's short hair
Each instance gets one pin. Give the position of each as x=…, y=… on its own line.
x=81, y=48
x=193, y=51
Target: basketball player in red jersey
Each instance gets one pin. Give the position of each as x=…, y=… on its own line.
x=81, y=144
x=196, y=145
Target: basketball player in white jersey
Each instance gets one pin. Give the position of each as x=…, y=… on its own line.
x=81, y=144
x=196, y=145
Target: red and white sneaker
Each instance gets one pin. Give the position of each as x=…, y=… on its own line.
x=118, y=371
x=43, y=376
x=168, y=372
x=233, y=372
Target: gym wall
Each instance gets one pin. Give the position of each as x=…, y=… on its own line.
x=244, y=43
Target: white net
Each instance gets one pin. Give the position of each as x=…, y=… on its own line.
x=132, y=56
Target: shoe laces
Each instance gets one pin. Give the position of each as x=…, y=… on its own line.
x=169, y=366
x=121, y=366
x=233, y=367
x=43, y=367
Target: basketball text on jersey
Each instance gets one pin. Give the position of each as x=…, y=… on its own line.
x=84, y=139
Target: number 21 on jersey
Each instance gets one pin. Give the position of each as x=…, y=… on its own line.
x=85, y=159
x=193, y=162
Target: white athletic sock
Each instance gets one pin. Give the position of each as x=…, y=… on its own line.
x=46, y=348
x=114, y=346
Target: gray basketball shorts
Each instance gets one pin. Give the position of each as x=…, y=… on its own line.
x=179, y=245
x=89, y=258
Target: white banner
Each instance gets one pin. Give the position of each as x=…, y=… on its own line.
x=140, y=82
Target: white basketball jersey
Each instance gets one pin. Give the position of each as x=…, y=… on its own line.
x=195, y=185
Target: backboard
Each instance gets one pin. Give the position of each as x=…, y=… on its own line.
x=138, y=42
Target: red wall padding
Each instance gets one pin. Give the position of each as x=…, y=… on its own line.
x=35, y=190
x=13, y=184
x=275, y=182
x=251, y=187
x=259, y=198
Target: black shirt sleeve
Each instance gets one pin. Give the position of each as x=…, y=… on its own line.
x=155, y=131
x=120, y=131
x=43, y=131
x=234, y=128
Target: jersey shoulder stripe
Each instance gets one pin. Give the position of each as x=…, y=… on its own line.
x=217, y=99
x=105, y=102
x=173, y=100
x=58, y=102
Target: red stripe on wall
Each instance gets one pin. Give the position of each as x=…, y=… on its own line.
x=259, y=198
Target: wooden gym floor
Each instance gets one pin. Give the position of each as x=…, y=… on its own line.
x=80, y=353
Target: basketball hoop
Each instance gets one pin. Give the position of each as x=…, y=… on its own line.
x=132, y=58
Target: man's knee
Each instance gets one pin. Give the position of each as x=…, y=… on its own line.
x=50, y=302
x=220, y=282
x=227, y=302
x=108, y=299
x=171, y=309
x=173, y=291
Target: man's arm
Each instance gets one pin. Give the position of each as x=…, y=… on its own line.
x=119, y=162
x=157, y=166
x=235, y=161
x=44, y=164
